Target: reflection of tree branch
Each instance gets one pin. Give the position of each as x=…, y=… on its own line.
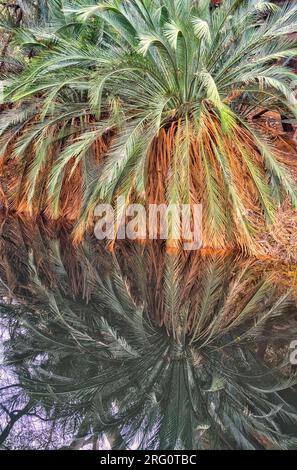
x=6, y=410
x=14, y=417
x=9, y=386
x=36, y=415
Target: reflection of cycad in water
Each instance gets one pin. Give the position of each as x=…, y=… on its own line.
x=201, y=372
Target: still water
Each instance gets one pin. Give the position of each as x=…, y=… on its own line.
x=135, y=348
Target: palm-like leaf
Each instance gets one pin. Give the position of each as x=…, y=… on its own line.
x=167, y=66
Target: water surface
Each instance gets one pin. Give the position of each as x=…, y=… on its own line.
x=136, y=348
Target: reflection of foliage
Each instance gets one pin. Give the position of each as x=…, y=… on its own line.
x=23, y=423
x=105, y=363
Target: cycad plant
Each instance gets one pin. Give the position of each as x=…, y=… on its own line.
x=107, y=366
x=153, y=100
